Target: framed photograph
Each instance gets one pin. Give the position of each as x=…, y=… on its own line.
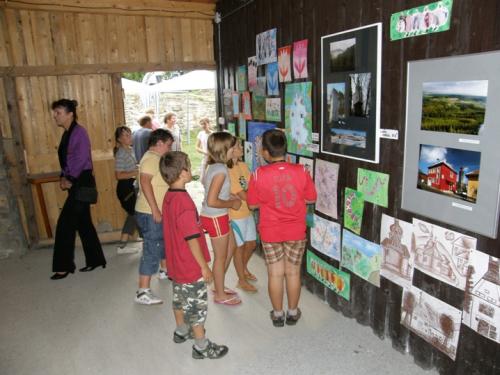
x=451, y=149
x=350, y=93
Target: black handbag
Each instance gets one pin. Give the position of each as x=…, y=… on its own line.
x=86, y=194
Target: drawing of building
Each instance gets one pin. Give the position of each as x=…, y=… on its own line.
x=473, y=184
x=442, y=176
x=461, y=250
x=436, y=260
x=396, y=255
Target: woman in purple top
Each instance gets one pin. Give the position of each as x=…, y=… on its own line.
x=76, y=172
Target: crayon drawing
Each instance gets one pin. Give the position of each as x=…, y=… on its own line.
x=298, y=117
x=266, y=47
x=353, y=210
x=285, y=72
x=241, y=78
x=331, y=277
x=325, y=237
x=255, y=130
x=273, y=88
x=374, y=186
x=300, y=59
x=273, y=109
x=252, y=73
x=326, y=186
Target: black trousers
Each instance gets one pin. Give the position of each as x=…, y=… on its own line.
x=75, y=216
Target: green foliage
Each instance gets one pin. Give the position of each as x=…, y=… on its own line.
x=190, y=149
x=135, y=76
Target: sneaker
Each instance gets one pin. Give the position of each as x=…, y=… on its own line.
x=127, y=249
x=291, y=320
x=162, y=275
x=278, y=321
x=212, y=351
x=179, y=339
x=147, y=298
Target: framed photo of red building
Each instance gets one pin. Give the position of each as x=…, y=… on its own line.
x=451, y=164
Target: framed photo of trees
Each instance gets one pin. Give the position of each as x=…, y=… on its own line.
x=350, y=93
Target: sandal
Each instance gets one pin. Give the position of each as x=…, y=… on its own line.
x=227, y=291
x=231, y=301
x=250, y=277
x=247, y=287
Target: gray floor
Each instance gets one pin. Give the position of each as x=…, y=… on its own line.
x=89, y=324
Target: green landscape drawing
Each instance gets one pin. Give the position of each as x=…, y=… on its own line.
x=454, y=106
x=353, y=209
x=374, y=186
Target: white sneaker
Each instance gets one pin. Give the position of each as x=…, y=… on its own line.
x=147, y=298
x=127, y=249
x=162, y=274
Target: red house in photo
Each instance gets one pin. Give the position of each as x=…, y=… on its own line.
x=442, y=176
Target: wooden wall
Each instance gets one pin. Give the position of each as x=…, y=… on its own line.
x=54, y=49
x=475, y=27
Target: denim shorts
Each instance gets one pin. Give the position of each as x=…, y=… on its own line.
x=153, y=248
x=244, y=230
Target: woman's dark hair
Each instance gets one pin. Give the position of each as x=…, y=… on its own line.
x=159, y=135
x=118, y=133
x=69, y=105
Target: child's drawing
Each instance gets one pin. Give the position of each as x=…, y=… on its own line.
x=435, y=321
x=374, y=186
x=353, y=209
x=333, y=278
x=273, y=109
x=482, y=296
x=242, y=126
x=260, y=89
x=255, y=130
x=236, y=104
x=361, y=257
x=249, y=155
x=285, y=72
x=246, y=107
x=326, y=177
x=252, y=73
x=397, y=256
x=241, y=78
x=298, y=117
x=272, y=79
x=266, y=47
x=258, y=107
x=300, y=59
x=308, y=164
x=228, y=103
x=325, y=237
x=442, y=253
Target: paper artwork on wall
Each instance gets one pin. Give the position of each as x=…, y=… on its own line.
x=258, y=107
x=442, y=253
x=246, y=107
x=482, y=296
x=242, y=127
x=310, y=215
x=284, y=67
x=325, y=237
x=361, y=257
x=291, y=158
x=331, y=277
x=228, y=103
x=326, y=178
x=241, y=78
x=397, y=254
x=425, y=19
x=249, y=155
x=300, y=59
x=374, y=186
x=252, y=73
x=231, y=128
x=255, y=130
x=261, y=87
x=308, y=164
x=236, y=103
x=273, y=109
x=354, y=205
x=298, y=117
x=430, y=318
x=266, y=47
x=272, y=79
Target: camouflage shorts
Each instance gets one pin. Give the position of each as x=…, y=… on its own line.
x=193, y=300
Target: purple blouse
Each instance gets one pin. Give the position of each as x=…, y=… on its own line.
x=79, y=156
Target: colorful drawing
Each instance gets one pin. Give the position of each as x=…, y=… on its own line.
x=231, y=128
x=308, y=164
x=309, y=215
x=426, y=19
x=397, y=254
x=242, y=126
x=261, y=87
x=258, y=107
x=273, y=109
x=228, y=103
x=266, y=47
x=291, y=158
x=354, y=205
x=331, y=277
x=255, y=130
x=335, y=96
x=454, y=106
x=347, y=137
x=298, y=117
x=361, y=257
x=236, y=103
x=300, y=59
x=449, y=171
x=442, y=253
x=360, y=93
x=285, y=71
x=435, y=321
x=374, y=186
x=241, y=78
x=343, y=55
x=252, y=73
x=326, y=187
x=273, y=88
x=482, y=296
x=325, y=237
x=246, y=107
x=249, y=154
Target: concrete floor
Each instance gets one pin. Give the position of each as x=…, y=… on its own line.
x=89, y=324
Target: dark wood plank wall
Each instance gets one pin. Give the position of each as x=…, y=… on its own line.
x=475, y=27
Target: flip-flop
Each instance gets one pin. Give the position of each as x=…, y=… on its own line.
x=250, y=277
x=231, y=301
x=247, y=288
x=227, y=291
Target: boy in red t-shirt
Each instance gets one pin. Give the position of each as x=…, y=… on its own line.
x=281, y=191
x=187, y=256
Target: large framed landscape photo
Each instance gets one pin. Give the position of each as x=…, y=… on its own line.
x=452, y=134
x=350, y=93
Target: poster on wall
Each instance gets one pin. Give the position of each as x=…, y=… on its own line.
x=246, y=107
x=261, y=87
x=255, y=131
x=258, y=107
x=350, y=93
x=272, y=79
x=242, y=127
x=236, y=103
x=300, y=59
x=354, y=205
x=482, y=296
x=451, y=145
x=331, y=277
x=374, y=186
x=266, y=47
x=252, y=73
x=249, y=155
x=231, y=128
x=298, y=117
x=425, y=19
x=273, y=109
x=241, y=78
x=308, y=164
x=442, y=253
x=284, y=66
x=326, y=178
x=435, y=321
x=325, y=237
x=397, y=254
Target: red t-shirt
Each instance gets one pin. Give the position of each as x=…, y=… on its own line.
x=180, y=224
x=281, y=190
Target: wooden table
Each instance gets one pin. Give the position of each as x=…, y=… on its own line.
x=38, y=180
